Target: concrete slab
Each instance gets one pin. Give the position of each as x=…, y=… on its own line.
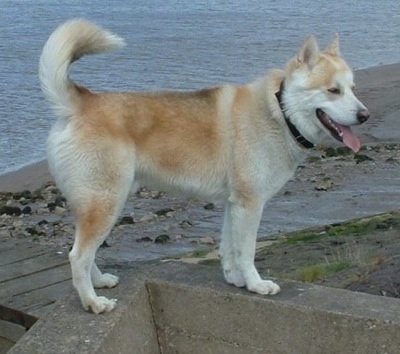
x=69, y=329
x=13, y=325
x=183, y=308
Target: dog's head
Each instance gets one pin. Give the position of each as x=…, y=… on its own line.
x=318, y=94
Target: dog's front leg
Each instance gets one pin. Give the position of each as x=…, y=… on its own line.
x=233, y=275
x=244, y=222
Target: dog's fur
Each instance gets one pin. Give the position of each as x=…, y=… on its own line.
x=228, y=144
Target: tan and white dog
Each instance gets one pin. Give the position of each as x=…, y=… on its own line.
x=236, y=145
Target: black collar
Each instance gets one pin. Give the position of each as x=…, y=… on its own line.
x=296, y=134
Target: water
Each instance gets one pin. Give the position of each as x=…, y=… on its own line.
x=174, y=44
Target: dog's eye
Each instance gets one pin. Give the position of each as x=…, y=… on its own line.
x=334, y=91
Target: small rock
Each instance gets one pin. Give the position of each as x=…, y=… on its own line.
x=209, y=206
x=144, y=239
x=383, y=226
x=37, y=195
x=104, y=245
x=208, y=240
x=166, y=228
x=27, y=210
x=42, y=222
x=51, y=188
x=126, y=220
x=186, y=224
x=391, y=160
x=59, y=210
x=156, y=194
x=359, y=158
x=18, y=223
x=25, y=194
x=60, y=201
x=10, y=210
x=149, y=217
x=51, y=206
x=142, y=194
x=335, y=152
x=145, y=193
x=164, y=212
x=324, y=185
x=162, y=239
x=31, y=231
x=5, y=233
x=24, y=201
x=42, y=211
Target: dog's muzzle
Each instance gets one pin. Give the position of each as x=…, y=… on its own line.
x=342, y=132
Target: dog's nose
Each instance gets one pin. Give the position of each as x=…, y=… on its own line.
x=362, y=115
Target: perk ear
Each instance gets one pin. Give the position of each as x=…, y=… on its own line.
x=308, y=53
x=333, y=48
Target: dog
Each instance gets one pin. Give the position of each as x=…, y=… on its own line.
x=232, y=144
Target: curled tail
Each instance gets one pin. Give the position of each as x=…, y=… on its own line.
x=68, y=43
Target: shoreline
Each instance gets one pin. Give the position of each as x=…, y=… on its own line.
x=30, y=177
x=378, y=87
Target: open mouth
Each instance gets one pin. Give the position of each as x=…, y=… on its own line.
x=340, y=132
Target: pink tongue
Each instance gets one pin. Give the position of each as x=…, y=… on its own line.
x=349, y=139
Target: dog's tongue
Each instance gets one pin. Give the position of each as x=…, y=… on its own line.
x=349, y=139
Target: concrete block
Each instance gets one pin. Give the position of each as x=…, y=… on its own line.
x=179, y=308
x=198, y=321
x=69, y=329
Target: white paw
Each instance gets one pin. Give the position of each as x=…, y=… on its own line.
x=100, y=304
x=264, y=287
x=106, y=280
x=234, y=277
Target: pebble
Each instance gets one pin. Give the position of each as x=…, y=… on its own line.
x=162, y=238
x=10, y=210
x=166, y=227
x=60, y=210
x=149, y=217
x=164, y=212
x=18, y=223
x=42, y=211
x=325, y=185
x=144, y=239
x=27, y=210
x=25, y=194
x=208, y=240
x=185, y=224
x=178, y=237
x=5, y=233
x=126, y=220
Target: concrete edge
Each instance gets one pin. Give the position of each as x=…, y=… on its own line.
x=176, y=305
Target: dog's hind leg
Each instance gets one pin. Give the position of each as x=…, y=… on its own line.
x=245, y=220
x=95, y=217
x=96, y=203
x=102, y=280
